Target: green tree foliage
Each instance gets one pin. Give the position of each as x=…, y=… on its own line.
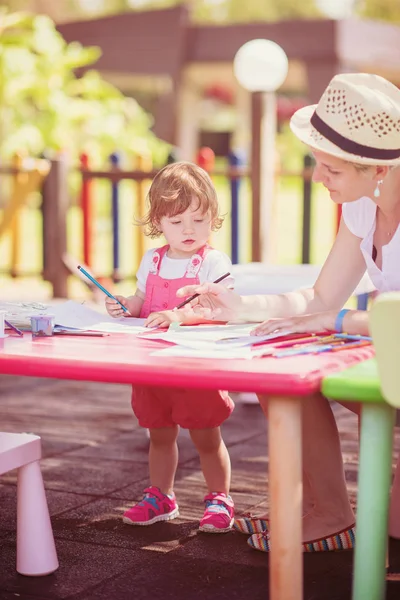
x=45, y=106
x=236, y=11
x=384, y=10
x=207, y=11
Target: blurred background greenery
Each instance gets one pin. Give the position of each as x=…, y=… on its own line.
x=45, y=105
x=213, y=11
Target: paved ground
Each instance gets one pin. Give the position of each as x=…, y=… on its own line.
x=95, y=465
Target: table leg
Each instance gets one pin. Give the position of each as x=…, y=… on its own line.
x=286, y=495
x=374, y=479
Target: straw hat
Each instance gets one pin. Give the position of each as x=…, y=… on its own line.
x=357, y=119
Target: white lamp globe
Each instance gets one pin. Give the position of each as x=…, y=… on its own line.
x=260, y=66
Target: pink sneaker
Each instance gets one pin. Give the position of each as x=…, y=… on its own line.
x=154, y=507
x=218, y=516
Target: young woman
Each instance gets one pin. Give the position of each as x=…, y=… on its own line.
x=354, y=134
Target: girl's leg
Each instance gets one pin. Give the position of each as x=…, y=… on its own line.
x=326, y=505
x=163, y=457
x=214, y=458
x=159, y=503
x=216, y=467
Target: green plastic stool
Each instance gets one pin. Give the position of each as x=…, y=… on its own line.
x=361, y=383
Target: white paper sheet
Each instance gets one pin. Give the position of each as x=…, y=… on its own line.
x=184, y=352
x=215, y=338
x=250, y=340
x=73, y=315
x=246, y=353
x=133, y=327
x=210, y=333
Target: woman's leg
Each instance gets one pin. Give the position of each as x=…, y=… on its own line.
x=326, y=505
x=214, y=458
x=163, y=457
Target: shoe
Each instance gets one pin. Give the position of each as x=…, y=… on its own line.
x=343, y=540
x=154, y=507
x=218, y=516
x=250, y=524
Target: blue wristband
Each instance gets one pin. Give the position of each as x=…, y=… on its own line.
x=339, y=320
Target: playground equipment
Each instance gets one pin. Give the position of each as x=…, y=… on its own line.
x=86, y=206
x=115, y=165
x=58, y=260
x=28, y=176
x=144, y=164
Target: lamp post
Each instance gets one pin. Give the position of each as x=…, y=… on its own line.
x=261, y=66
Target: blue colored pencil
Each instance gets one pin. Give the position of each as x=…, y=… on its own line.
x=103, y=289
x=347, y=336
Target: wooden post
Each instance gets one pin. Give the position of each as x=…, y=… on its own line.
x=54, y=208
x=15, y=229
x=236, y=159
x=307, y=187
x=256, y=119
x=87, y=213
x=267, y=177
x=115, y=166
x=144, y=162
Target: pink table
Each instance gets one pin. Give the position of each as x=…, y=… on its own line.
x=127, y=359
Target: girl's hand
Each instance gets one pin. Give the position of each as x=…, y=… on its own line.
x=114, y=309
x=160, y=319
x=314, y=323
x=214, y=302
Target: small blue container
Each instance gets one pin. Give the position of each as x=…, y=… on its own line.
x=42, y=326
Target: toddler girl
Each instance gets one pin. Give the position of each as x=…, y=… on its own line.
x=184, y=208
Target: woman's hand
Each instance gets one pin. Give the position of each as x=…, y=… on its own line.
x=315, y=323
x=114, y=309
x=215, y=301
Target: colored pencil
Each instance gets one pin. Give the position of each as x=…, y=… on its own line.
x=11, y=326
x=197, y=295
x=103, y=289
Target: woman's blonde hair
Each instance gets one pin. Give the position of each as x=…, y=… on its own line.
x=174, y=189
x=365, y=168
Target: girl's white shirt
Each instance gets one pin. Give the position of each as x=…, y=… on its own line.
x=360, y=218
x=214, y=265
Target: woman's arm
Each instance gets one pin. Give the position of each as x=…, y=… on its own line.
x=339, y=276
x=354, y=322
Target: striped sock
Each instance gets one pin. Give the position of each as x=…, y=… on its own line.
x=344, y=540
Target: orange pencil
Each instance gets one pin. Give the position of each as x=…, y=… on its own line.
x=351, y=345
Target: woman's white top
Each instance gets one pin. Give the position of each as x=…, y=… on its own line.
x=360, y=218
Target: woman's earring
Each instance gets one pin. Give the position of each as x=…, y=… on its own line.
x=377, y=191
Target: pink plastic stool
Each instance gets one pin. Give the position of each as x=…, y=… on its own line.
x=36, y=551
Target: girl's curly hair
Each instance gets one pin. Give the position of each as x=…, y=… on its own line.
x=173, y=191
